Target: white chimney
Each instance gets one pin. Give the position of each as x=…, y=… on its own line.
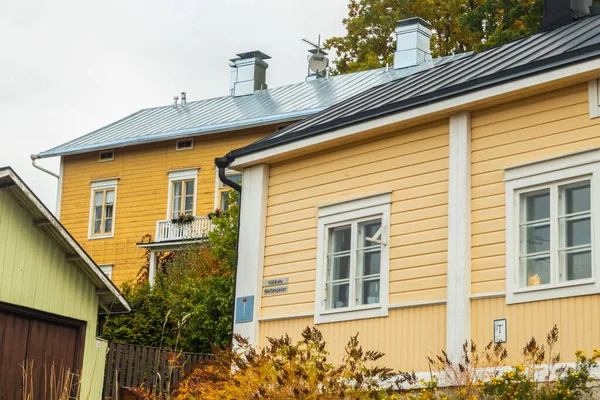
x=412, y=42
x=248, y=73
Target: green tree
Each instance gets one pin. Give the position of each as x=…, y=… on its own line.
x=500, y=21
x=457, y=26
x=190, y=305
x=370, y=41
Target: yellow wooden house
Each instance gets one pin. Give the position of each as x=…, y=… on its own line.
x=137, y=176
x=453, y=204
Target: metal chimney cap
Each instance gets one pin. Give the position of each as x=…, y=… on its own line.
x=414, y=21
x=251, y=54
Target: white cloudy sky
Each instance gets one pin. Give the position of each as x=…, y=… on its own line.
x=68, y=67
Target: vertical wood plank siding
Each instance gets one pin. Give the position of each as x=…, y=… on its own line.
x=34, y=273
x=525, y=130
x=142, y=192
x=407, y=336
x=576, y=318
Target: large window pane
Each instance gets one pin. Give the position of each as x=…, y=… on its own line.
x=577, y=231
x=535, y=238
x=189, y=204
x=339, y=267
x=176, y=189
x=341, y=239
x=370, y=260
x=98, y=198
x=368, y=291
x=108, y=211
x=110, y=196
x=535, y=271
x=578, y=264
x=537, y=205
x=98, y=211
x=368, y=230
x=577, y=198
x=97, y=225
x=108, y=226
x=189, y=187
x=339, y=294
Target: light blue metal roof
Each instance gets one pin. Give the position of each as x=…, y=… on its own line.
x=281, y=104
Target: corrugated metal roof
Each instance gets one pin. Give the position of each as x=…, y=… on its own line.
x=542, y=51
x=285, y=103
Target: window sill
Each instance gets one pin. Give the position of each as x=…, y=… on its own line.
x=94, y=237
x=550, y=292
x=351, y=314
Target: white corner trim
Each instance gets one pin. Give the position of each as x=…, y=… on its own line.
x=490, y=295
x=594, y=97
x=546, y=173
x=419, y=111
x=458, y=310
x=59, y=188
x=216, y=203
x=251, y=250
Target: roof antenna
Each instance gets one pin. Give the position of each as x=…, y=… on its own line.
x=175, y=98
x=317, y=62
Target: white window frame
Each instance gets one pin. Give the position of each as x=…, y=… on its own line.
x=107, y=269
x=102, y=185
x=106, y=159
x=529, y=177
x=220, y=185
x=177, y=148
x=179, y=175
x=330, y=215
x=594, y=97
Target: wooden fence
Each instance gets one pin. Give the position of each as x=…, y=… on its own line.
x=128, y=365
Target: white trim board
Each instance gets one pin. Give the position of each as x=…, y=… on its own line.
x=59, y=188
x=251, y=250
x=454, y=103
x=458, y=310
x=594, y=97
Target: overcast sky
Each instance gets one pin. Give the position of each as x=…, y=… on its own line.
x=68, y=67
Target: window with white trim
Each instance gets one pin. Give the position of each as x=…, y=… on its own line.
x=353, y=259
x=222, y=192
x=107, y=269
x=551, y=225
x=102, y=209
x=182, y=193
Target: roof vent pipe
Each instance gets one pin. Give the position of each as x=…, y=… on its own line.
x=248, y=73
x=175, y=98
x=183, y=99
x=562, y=12
x=412, y=42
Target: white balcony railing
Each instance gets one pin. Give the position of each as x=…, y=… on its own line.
x=195, y=229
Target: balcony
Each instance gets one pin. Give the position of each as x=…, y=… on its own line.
x=167, y=230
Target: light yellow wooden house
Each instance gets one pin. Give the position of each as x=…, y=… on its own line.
x=136, y=176
x=454, y=204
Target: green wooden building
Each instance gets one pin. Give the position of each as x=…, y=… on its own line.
x=51, y=293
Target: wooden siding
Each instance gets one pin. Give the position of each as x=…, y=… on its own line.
x=142, y=193
x=521, y=131
x=407, y=336
x=576, y=318
x=34, y=273
x=412, y=164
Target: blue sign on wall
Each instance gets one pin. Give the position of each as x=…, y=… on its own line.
x=243, y=309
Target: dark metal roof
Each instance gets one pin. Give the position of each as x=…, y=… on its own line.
x=543, y=51
x=227, y=113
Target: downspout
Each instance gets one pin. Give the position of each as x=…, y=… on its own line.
x=35, y=157
x=222, y=163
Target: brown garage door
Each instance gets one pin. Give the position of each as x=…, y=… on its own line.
x=39, y=338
